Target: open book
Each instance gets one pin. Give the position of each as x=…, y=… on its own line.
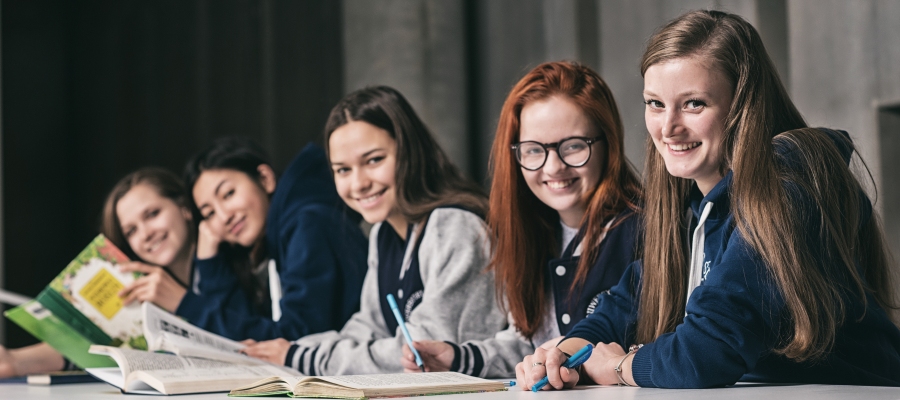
x=202, y=361
x=168, y=333
x=366, y=386
x=144, y=372
x=81, y=307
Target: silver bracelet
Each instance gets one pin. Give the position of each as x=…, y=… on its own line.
x=618, y=367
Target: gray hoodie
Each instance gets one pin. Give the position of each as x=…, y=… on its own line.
x=458, y=304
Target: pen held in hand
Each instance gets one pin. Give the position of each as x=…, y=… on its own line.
x=402, y=324
x=573, y=362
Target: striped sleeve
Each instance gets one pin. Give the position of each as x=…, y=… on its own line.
x=302, y=359
x=468, y=359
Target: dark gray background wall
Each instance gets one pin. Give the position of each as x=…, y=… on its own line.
x=91, y=91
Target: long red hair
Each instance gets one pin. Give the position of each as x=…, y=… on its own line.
x=523, y=227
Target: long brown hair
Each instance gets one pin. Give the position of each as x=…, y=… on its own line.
x=764, y=215
x=166, y=183
x=425, y=177
x=522, y=226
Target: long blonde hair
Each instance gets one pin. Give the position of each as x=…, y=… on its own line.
x=764, y=213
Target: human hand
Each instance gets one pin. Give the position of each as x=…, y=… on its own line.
x=273, y=351
x=156, y=286
x=546, y=362
x=436, y=356
x=600, y=368
x=208, y=240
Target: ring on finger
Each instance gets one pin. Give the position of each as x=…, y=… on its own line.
x=537, y=364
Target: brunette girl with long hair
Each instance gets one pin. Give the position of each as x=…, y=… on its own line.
x=147, y=216
x=763, y=258
x=562, y=215
x=428, y=247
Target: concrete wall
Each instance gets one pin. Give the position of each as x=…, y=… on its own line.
x=457, y=60
x=2, y=226
x=422, y=55
x=845, y=67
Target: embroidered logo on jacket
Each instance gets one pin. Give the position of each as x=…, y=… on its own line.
x=592, y=306
x=412, y=302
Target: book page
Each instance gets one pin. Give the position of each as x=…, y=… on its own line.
x=137, y=360
x=400, y=380
x=229, y=372
x=158, y=321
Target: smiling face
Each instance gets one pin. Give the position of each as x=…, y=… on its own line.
x=687, y=103
x=156, y=228
x=364, y=160
x=235, y=204
x=562, y=188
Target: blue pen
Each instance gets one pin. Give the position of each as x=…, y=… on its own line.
x=396, y=310
x=577, y=359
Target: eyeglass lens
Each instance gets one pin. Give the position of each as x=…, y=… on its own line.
x=574, y=152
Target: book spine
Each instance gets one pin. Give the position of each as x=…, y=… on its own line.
x=54, y=302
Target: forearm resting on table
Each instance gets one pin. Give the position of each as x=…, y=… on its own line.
x=600, y=368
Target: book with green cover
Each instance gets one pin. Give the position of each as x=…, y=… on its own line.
x=84, y=297
x=41, y=323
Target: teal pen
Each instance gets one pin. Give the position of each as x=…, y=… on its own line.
x=577, y=359
x=402, y=324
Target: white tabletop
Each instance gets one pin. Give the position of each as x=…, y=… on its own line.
x=755, y=392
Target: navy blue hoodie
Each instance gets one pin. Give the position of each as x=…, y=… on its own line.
x=319, y=251
x=736, y=317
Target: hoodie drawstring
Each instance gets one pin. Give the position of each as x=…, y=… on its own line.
x=697, y=254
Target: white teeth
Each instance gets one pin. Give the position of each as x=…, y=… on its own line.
x=154, y=246
x=684, y=146
x=370, y=198
x=560, y=184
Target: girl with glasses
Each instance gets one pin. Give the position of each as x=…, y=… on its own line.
x=763, y=259
x=428, y=248
x=562, y=216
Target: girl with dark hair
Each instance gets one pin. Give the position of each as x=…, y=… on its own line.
x=147, y=216
x=275, y=258
x=428, y=247
x=562, y=216
x=763, y=258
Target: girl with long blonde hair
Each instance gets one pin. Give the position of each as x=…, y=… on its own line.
x=763, y=258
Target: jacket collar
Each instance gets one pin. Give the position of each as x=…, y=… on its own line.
x=719, y=196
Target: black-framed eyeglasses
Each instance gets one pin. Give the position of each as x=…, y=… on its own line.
x=573, y=151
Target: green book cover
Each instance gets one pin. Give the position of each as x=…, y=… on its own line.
x=85, y=296
x=41, y=323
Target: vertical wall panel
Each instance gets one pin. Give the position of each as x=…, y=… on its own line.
x=2, y=226
x=422, y=55
x=834, y=69
x=37, y=219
